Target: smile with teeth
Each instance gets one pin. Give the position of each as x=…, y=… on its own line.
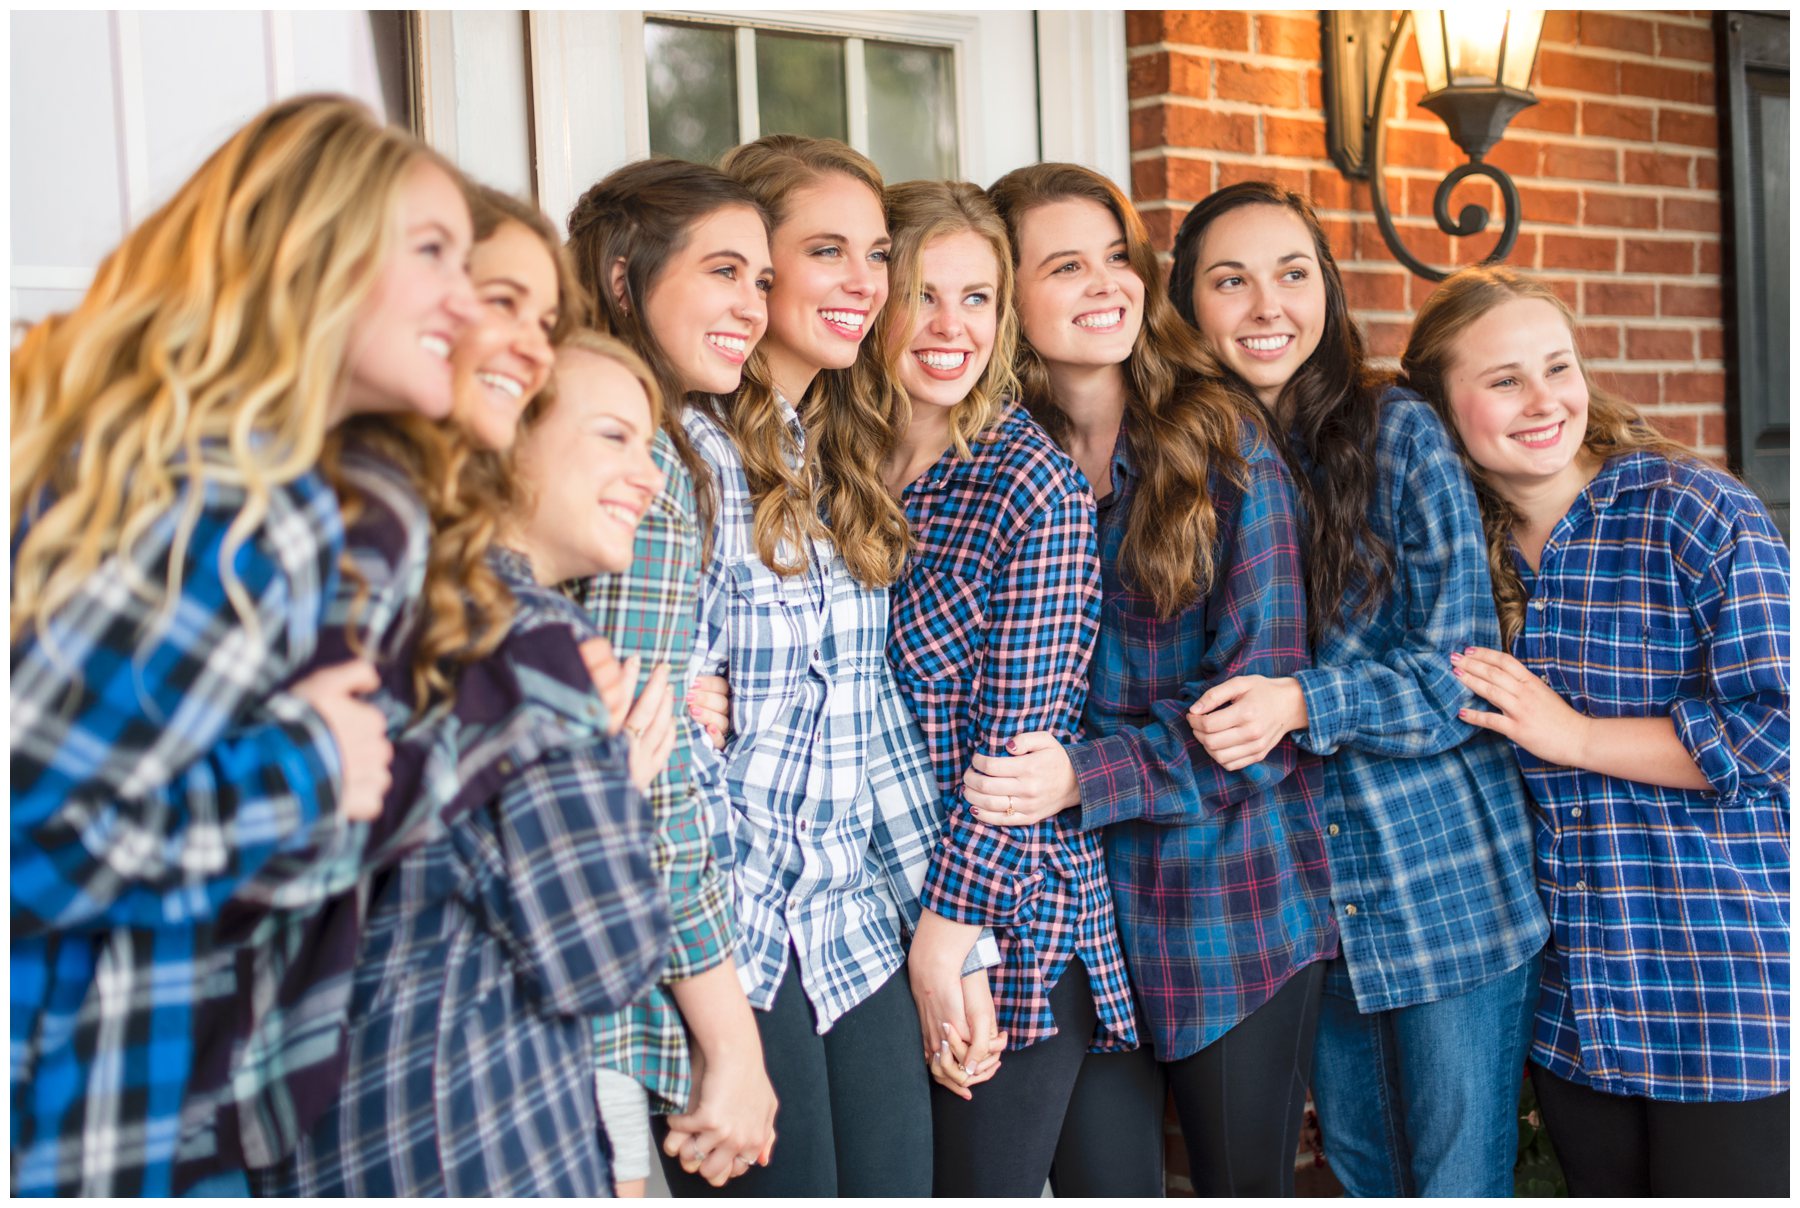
x=1265, y=343
x=436, y=345
x=941, y=359
x=510, y=387
x=1537, y=437
x=845, y=322
x=732, y=346
x=1102, y=319
x=626, y=516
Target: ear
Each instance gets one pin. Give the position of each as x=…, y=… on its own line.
x=618, y=284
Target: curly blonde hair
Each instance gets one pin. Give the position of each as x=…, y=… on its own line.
x=209, y=348
x=919, y=212
x=1614, y=426
x=1184, y=420
x=846, y=424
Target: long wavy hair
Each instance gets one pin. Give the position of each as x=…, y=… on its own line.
x=1335, y=405
x=846, y=425
x=1614, y=426
x=641, y=215
x=209, y=348
x=919, y=212
x=1185, y=422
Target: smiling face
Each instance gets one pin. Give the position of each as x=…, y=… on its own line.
x=1518, y=397
x=502, y=361
x=1080, y=301
x=1259, y=295
x=708, y=306
x=399, y=353
x=587, y=470
x=830, y=255
x=953, y=334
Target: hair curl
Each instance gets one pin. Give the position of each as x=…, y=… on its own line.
x=1614, y=426
x=1184, y=419
x=1334, y=405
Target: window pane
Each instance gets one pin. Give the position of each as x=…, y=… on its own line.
x=800, y=85
x=691, y=73
x=912, y=111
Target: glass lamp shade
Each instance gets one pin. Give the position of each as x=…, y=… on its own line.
x=1475, y=47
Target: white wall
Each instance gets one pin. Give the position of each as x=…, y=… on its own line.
x=112, y=111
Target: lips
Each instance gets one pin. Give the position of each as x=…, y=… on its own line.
x=1539, y=438
x=511, y=388
x=733, y=348
x=845, y=323
x=621, y=513
x=437, y=344
x=945, y=364
x=1269, y=347
x=1101, y=320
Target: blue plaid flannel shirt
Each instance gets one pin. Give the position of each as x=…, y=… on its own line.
x=1664, y=592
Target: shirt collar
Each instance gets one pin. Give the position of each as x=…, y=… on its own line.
x=1636, y=471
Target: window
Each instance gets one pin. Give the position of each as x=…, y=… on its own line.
x=713, y=84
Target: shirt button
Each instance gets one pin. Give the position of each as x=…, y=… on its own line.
x=1581, y=885
x=1350, y=909
x=803, y=827
x=1332, y=829
x=506, y=767
x=1537, y=605
x=1576, y=812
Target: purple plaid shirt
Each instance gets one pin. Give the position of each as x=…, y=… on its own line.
x=1219, y=877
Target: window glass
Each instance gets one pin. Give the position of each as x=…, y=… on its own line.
x=912, y=111
x=691, y=75
x=800, y=85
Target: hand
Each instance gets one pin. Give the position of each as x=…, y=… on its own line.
x=956, y=1014
x=1530, y=711
x=613, y=680
x=1036, y=782
x=979, y=1060
x=358, y=729
x=650, y=728
x=709, y=703
x=730, y=1122
x=1240, y=721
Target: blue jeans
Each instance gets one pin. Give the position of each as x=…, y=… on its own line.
x=1424, y=1100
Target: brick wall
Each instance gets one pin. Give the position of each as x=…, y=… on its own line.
x=1617, y=167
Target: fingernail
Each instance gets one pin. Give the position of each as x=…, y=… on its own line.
x=1456, y=671
x=1456, y=656
x=1010, y=745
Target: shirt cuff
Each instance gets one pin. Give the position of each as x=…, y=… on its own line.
x=984, y=955
x=1698, y=728
x=703, y=935
x=1331, y=708
x=1106, y=775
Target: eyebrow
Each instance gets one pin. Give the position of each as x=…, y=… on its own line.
x=1561, y=352
x=967, y=289
x=1119, y=242
x=1238, y=264
x=431, y=224
x=728, y=254
x=511, y=283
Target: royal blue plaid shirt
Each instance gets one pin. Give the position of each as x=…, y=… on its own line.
x=1663, y=592
x=1429, y=831
x=1219, y=877
x=157, y=766
x=990, y=632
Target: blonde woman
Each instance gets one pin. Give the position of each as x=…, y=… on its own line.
x=175, y=548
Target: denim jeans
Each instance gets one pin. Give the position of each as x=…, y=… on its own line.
x=1424, y=1100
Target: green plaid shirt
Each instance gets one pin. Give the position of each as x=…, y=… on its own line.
x=649, y=611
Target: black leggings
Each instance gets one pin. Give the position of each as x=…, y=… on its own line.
x=1240, y=1099
x=1003, y=1142
x=1625, y=1145
x=855, y=1114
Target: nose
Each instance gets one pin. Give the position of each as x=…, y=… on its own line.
x=460, y=301
x=645, y=475
x=861, y=278
x=533, y=346
x=1103, y=281
x=751, y=305
x=946, y=321
x=1263, y=302
x=1535, y=396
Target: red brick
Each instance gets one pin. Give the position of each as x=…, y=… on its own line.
x=1152, y=74
x=1549, y=205
x=1520, y=157
x=1613, y=32
x=1293, y=136
x=1142, y=26
x=1341, y=235
x=1684, y=428
x=1687, y=214
x=1641, y=388
x=1669, y=257
x=1659, y=82
x=1150, y=179
x=1315, y=90
x=1273, y=86
x=1583, y=73
x=1581, y=251
x=1566, y=288
x=1618, y=298
x=1230, y=173
x=1580, y=162
x=1706, y=172
x=1328, y=189
x=1658, y=168
x=1218, y=29
x=1684, y=42
x=1386, y=339
x=1560, y=26
x=1598, y=341
x=1637, y=122
x=1712, y=344
x=1660, y=344
x=1289, y=37
x=1422, y=149
x=1424, y=241
x=1694, y=386
x=1602, y=208
x=1694, y=301
x=1210, y=130
x=1162, y=225
x=1688, y=129
x=1149, y=127
x=1188, y=179
x=1550, y=113
x=1370, y=290
x=1709, y=256
x=1712, y=431
x=1421, y=193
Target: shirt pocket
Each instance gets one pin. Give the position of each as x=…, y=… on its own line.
x=1632, y=667
x=938, y=626
x=771, y=638
x=1143, y=657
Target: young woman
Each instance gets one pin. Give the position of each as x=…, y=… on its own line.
x=676, y=259
x=491, y=951
x=991, y=628
x=833, y=811
x=1644, y=600
x=1219, y=877
x=1427, y=1014
x=174, y=550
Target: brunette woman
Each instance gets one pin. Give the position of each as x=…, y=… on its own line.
x=175, y=549
x=676, y=259
x=1218, y=876
x=1427, y=1014
x=1643, y=680
x=992, y=625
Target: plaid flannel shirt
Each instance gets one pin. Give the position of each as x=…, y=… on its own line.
x=157, y=766
x=1219, y=877
x=991, y=628
x=649, y=611
x=490, y=951
x=1664, y=592
x=1429, y=830
x=834, y=810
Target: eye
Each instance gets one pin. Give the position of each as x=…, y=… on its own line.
x=1557, y=368
x=1231, y=282
x=1295, y=274
x=925, y=298
x=765, y=284
x=978, y=298
x=1119, y=257
x=830, y=251
x=433, y=249
x=548, y=324
x=1504, y=383
x=878, y=256
x=727, y=271
x=1068, y=267
x=503, y=303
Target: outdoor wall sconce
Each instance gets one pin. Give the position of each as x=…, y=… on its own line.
x=1477, y=63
